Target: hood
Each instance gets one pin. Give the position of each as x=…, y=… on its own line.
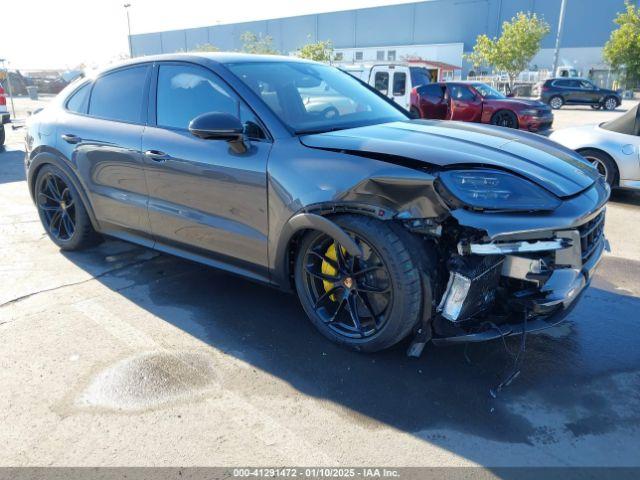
x=439, y=144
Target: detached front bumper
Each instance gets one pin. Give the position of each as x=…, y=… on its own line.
x=495, y=285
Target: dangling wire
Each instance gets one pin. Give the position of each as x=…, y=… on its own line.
x=517, y=360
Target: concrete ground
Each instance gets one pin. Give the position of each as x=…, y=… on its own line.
x=121, y=356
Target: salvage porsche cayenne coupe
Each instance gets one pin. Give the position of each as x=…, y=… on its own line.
x=297, y=175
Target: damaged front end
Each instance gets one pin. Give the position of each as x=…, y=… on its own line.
x=505, y=273
x=494, y=286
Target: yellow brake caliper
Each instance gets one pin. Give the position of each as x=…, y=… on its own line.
x=328, y=269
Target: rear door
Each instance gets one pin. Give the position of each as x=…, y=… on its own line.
x=401, y=87
x=100, y=132
x=203, y=197
x=433, y=103
x=465, y=105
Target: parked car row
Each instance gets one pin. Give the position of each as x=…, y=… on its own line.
x=298, y=175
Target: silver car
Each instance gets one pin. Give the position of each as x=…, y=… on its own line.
x=612, y=147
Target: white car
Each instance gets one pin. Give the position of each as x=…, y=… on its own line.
x=613, y=147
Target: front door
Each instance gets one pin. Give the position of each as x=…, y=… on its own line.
x=204, y=197
x=100, y=132
x=464, y=105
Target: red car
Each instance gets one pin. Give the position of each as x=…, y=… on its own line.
x=478, y=102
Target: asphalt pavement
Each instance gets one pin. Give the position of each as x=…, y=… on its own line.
x=122, y=356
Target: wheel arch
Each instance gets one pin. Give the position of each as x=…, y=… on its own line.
x=43, y=157
x=602, y=151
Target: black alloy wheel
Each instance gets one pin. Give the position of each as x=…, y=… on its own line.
x=57, y=207
x=366, y=302
x=62, y=211
x=505, y=118
x=351, y=295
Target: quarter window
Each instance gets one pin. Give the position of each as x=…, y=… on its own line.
x=78, y=101
x=399, y=83
x=119, y=95
x=382, y=82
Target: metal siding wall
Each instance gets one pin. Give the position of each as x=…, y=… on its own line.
x=550, y=11
x=146, y=44
x=588, y=23
x=222, y=37
x=384, y=26
x=339, y=27
x=197, y=37
x=173, y=41
x=297, y=31
x=432, y=25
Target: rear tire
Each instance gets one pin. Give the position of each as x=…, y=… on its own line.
x=415, y=113
x=2, y=135
x=556, y=102
x=330, y=295
x=597, y=106
x=604, y=163
x=62, y=213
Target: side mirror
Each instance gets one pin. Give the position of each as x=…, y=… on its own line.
x=219, y=126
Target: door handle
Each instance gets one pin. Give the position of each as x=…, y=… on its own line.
x=157, y=156
x=70, y=138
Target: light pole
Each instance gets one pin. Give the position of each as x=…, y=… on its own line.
x=126, y=7
x=556, y=53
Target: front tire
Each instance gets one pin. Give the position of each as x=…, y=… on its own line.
x=505, y=118
x=61, y=211
x=610, y=104
x=367, y=303
x=605, y=165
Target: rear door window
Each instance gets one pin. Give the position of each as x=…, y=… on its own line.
x=382, y=82
x=119, y=95
x=399, y=83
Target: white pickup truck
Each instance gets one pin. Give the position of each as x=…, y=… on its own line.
x=395, y=80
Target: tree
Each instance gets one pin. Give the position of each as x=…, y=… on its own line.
x=622, y=50
x=518, y=44
x=206, y=47
x=318, y=51
x=253, y=43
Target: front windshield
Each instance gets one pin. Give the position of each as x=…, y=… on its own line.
x=314, y=98
x=486, y=91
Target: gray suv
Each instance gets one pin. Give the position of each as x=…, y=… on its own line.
x=557, y=92
x=297, y=175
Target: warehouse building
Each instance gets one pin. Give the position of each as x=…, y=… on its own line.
x=433, y=30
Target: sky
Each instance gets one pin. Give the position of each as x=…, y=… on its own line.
x=42, y=34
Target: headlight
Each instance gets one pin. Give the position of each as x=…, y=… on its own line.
x=494, y=190
x=529, y=112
